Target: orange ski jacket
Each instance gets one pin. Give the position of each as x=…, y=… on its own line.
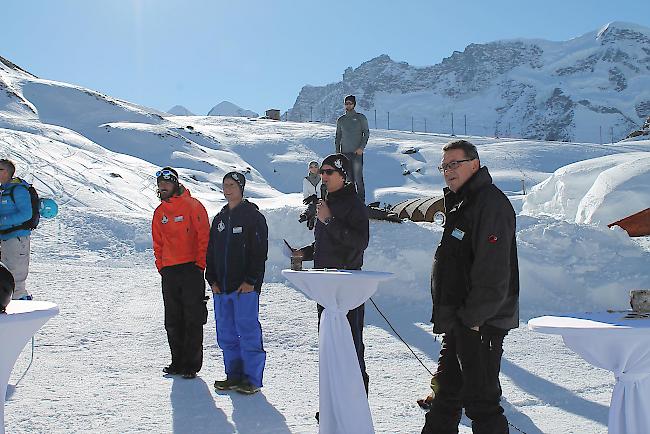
x=180, y=230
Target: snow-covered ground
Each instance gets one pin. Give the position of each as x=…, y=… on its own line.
x=97, y=365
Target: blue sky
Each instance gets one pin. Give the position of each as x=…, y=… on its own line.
x=258, y=54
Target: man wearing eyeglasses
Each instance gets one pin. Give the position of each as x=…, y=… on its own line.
x=351, y=138
x=475, y=291
x=180, y=231
x=341, y=236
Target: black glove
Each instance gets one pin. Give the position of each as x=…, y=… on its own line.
x=309, y=199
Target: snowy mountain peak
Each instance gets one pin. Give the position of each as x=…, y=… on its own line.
x=226, y=108
x=618, y=30
x=6, y=65
x=180, y=110
x=595, y=88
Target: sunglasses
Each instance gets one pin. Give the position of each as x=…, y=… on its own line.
x=165, y=174
x=327, y=171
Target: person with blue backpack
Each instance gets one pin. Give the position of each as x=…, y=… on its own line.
x=16, y=211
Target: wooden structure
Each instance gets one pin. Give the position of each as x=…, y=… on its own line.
x=636, y=225
x=421, y=209
x=273, y=114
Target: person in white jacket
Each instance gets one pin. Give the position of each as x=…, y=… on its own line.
x=312, y=182
x=311, y=192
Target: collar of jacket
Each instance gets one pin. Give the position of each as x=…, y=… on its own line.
x=184, y=193
x=313, y=178
x=479, y=180
x=13, y=182
x=243, y=204
x=347, y=190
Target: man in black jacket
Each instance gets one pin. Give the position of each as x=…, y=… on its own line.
x=236, y=258
x=341, y=236
x=475, y=290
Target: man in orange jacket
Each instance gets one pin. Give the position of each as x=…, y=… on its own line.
x=180, y=231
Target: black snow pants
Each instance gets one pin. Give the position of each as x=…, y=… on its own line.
x=468, y=375
x=183, y=288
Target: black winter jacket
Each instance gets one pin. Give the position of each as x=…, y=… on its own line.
x=238, y=248
x=341, y=242
x=475, y=278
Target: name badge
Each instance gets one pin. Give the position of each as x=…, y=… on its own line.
x=178, y=218
x=458, y=234
x=236, y=230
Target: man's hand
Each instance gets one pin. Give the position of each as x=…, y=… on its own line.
x=359, y=151
x=323, y=211
x=245, y=287
x=215, y=288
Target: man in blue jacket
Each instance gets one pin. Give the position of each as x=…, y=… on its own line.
x=236, y=259
x=15, y=209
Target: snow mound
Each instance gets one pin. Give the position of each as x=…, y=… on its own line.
x=595, y=191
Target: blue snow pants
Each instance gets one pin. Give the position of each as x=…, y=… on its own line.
x=239, y=335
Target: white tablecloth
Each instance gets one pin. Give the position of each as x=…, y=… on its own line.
x=343, y=404
x=17, y=326
x=618, y=342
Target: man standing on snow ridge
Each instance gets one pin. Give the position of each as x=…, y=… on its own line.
x=180, y=231
x=15, y=209
x=236, y=260
x=475, y=291
x=341, y=236
x=351, y=138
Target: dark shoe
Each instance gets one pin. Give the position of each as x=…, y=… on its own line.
x=246, y=388
x=227, y=384
x=171, y=370
x=318, y=416
x=189, y=375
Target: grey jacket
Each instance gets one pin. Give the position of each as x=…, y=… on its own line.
x=475, y=279
x=351, y=132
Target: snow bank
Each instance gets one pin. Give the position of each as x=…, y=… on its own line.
x=599, y=191
x=564, y=266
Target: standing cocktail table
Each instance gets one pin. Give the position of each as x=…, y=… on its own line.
x=21, y=321
x=343, y=404
x=618, y=341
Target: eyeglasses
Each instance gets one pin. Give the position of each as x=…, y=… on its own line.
x=165, y=174
x=313, y=165
x=452, y=165
x=326, y=171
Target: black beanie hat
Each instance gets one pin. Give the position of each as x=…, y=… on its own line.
x=170, y=175
x=351, y=98
x=238, y=178
x=339, y=162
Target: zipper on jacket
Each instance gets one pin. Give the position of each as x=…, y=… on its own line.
x=225, y=256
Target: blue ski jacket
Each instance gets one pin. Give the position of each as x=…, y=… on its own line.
x=15, y=208
x=238, y=248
